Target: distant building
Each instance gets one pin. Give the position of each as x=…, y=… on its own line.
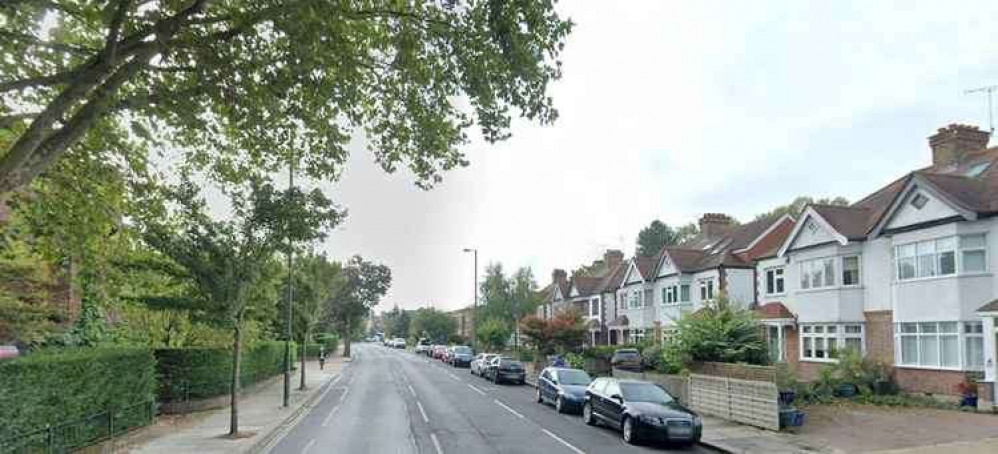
x=465, y=318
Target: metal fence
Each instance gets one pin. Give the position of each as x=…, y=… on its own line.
x=82, y=431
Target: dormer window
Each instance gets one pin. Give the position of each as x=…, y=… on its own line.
x=919, y=201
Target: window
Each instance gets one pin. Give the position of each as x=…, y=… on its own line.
x=635, y=298
x=649, y=298
x=774, y=281
x=670, y=295
x=938, y=257
x=817, y=273
x=706, y=289
x=637, y=335
x=594, y=307
x=850, y=270
x=937, y=345
x=919, y=201
x=973, y=253
x=823, y=342
x=684, y=293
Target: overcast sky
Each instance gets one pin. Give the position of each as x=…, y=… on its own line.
x=670, y=109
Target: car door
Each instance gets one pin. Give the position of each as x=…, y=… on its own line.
x=596, y=396
x=613, y=407
x=545, y=384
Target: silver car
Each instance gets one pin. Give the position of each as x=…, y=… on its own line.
x=478, y=364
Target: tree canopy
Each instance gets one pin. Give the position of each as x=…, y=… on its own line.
x=246, y=84
x=432, y=323
x=658, y=234
x=796, y=207
x=365, y=283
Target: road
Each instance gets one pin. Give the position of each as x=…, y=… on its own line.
x=393, y=401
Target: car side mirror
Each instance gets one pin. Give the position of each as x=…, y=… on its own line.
x=617, y=398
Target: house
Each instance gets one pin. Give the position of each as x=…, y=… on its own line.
x=464, y=319
x=586, y=292
x=903, y=275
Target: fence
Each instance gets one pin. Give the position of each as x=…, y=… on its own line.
x=745, y=401
x=81, y=432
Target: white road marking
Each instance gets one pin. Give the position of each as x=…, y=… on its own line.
x=479, y=391
x=426, y=419
x=329, y=417
x=453, y=376
x=344, y=395
x=436, y=443
x=308, y=446
x=560, y=440
x=413, y=391
x=507, y=408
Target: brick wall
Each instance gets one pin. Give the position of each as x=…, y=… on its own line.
x=739, y=371
x=940, y=382
x=985, y=397
x=880, y=336
x=805, y=370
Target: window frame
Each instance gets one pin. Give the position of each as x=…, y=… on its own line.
x=813, y=334
x=962, y=335
x=706, y=286
x=777, y=275
x=949, y=244
x=859, y=270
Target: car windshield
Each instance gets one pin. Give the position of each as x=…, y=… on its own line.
x=573, y=377
x=462, y=350
x=627, y=353
x=645, y=392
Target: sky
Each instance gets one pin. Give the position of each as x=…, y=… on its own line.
x=671, y=109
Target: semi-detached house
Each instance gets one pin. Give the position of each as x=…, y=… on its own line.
x=904, y=275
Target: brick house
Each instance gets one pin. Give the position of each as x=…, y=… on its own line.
x=903, y=275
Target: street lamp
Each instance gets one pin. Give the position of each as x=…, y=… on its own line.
x=474, y=303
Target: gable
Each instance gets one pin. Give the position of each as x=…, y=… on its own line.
x=666, y=267
x=557, y=294
x=930, y=208
x=573, y=292
x=633, y=275
x=812, y=232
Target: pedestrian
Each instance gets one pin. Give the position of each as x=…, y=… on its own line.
x=558, y=361
x=322, y=360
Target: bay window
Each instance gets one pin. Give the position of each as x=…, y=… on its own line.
x=775, y=281
x=938, y=345
x=822, y=342
x=938, y=257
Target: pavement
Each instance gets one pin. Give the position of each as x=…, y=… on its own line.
x=393, y=401
x=261, y=417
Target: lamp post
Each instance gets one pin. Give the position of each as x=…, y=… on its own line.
x=291, y=293
x=474, y=303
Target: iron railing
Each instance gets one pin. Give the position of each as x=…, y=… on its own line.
x=79, y=432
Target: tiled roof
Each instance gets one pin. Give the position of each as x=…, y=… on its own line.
x=990, y=307
x=613, y=280
x=647, y=266
x=587, y=285
x=851, y=222
x=745, y=234
x=685, y=259
x=773, y=311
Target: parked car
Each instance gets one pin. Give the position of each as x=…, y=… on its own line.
x=461, y=356
x=398, y=342
x=564, y=387
x=438, y=351
x=423, y=346
x=9, y=352
x=480, y=362
x=640, y=410
x=626, y=359
x=506, y=369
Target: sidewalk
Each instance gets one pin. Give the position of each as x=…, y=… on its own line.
x=260, y=415
x=732, y=437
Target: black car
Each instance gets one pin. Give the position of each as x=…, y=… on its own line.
x=505, y=369
x=626, y=359
x=565, y=388
x=640, y=410
x=461, y=356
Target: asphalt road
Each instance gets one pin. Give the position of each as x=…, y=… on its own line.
x=393, y=401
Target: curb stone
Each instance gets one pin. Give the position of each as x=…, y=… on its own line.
x=269, y=440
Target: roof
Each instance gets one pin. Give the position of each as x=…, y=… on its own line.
x=745, y=234
x=990, y=307
x=587, y=285
x=614, y=278
x=647, y=265
x=852, y=222
x=773, y=311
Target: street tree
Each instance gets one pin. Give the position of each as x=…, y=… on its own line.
x=492, y=334
x=796, y=207
x=231, y=262
x=537, y=332
x=316, y=280
x=365, y=284
x=307, y=77
x=658, y=234
x=433, y=324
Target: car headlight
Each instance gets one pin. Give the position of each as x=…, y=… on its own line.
x=653, y=420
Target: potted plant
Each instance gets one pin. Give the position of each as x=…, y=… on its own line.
x=968, y=390
x=786, y=384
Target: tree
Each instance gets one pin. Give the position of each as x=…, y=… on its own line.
x=366, y=283
x=307, y=76
x=231, y=263
x=537, y=332
x=492, y=334
x=658, y=234
x=397, y=323
x=524, y=298
x=796, y=207
x=720, y=331
x=433, y=324
x=315, y=282
x=568, y=331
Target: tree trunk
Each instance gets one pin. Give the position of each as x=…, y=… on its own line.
x=304, y=352
x=346, y=340
x=237, y=341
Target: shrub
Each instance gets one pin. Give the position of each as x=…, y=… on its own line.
x=719, y=331
x=604, y=352
x=651, y=357
x=197, y=373
x=53, y=387
x=527, y=356
x=575, y=361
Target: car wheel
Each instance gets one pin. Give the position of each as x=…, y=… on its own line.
x=587, y=414
x=559, y=405
x=627, y=432
x=540, y=398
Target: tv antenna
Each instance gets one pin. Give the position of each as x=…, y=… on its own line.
x=989, y=91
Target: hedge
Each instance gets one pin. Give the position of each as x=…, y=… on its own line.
x=198, y=373
x=76, y=387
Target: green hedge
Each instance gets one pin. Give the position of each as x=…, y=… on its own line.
x=73, y=389
x=197, y=373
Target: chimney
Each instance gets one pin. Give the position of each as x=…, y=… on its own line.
x=558, y=276
x=950, y=144
x=716, y=224
x=613, y=257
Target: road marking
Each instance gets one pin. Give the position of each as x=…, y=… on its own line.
x=344, y=395
x=308, y=446
x=413, y=391
x=560, y=440
x=507, y=408
x=329, y=417
x=436, y=443
x=422, y=412
x=453, y=376
x=479, y=391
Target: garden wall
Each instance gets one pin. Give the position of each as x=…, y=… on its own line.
x=733, y=370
